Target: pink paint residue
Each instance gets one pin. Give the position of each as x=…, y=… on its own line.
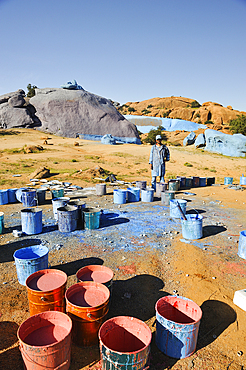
x=46, y=335
x=97, y=276
x=47, y=281
x=91, y=297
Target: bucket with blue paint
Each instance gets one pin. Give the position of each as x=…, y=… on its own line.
x=120, y=196
x=166, y=196
x=1, y=222
x=80, y=215
x=133, y=194
x=192, y=227
x=11, y=195
x=242, y=245
x=41, y=193
x=188, y=182
x=182, y=181
x=57, y=203
x=29, y=260
x=177, y=325
x=160, y=187
x=67, y=218
x=57, y=193
x=31, y=221
x=91, y=218
x=243, y=180
x=4, y=197
x=228, y=180
x=173, y=185
x=210, y=181
x=174, y=208
x=29, y=198
x=202, y=181
x=141, y=184
x=147, y=195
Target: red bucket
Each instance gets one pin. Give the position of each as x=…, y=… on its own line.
x=99, y=274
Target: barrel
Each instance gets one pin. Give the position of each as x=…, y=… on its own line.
x=46, y=291
x=57, y=203
x=120, y=196
x=45, y=341
x=80, y=215
x=1, y=222
x=210, y=181
x=202, y=181
x=100, y=189
x=160, y=186
x=147, y=195
x=11, y=195
x=67, y=218
x=41, y=193
x=87, y=304
x=242, y=245
x=91, y=218
x=228, y=180
x=133, y=194
x=166, y=196
x=4, y=197
x=29, y=260
x=124, y=343
x=195, y=181
x=182, y=180
x=192, y=227
x=99, y=274
x=173, y=185
x=177, y=326
x=31, y=220
x=243, y=180
x=29, y=198
x=188, y=182
x=57, y=193
x=141, y=184
x=174, y=209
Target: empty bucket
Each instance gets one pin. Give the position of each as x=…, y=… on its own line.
x=141, y=184
x=210, y=181
x=67, y=218
x=173, y=185
x=4, y=197
x=160, y=186
x=147, y=195
x=177, y=326
x=202, y=181
x=192, y=227
x=91, y=218
x=1, y=222
x=174, y=209
x=57, y=203
x=188, y=182
x=41, y=195
x=100, y=189
x=29, y=198
x=228, y=180
x=80, y=215
x=120, y=196
x=57, y=193
x=11, y=195
x=99, y=274
x=87, y=305
x=124, y=343
x=45, y=341
x=29, y=260
x=243, y=180
x=133, y=194
x=46, y=291
x=242, y=245
x=166, y=196
x=31, y=220
x=181, y=181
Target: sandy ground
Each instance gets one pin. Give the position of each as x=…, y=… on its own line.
x=208, y=272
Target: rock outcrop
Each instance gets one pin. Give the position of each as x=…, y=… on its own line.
x=230, y=145
x=200, y=141
x=189, y=139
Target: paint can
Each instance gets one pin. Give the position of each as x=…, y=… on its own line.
x=188, y=182
x=57, y=203
x=133, y=194
x=160, y=186
x=202, y=181
x=29, y=197
x=98, y=273
x=11, y=195
x=192, y=227
x=195, y=181
x=243, y=180
x=31, y=221
x=41, y=193
x=242, y=245
x=87, y=304
x=141, y=184
x=67, y=218
x=80, y=215
x=91, y=218
x=45, y=341
x=100, y=189
x=4, y=197
x=182, y=181
x=57, y=192
x=166, y=196
x=124, y=343
x=1, y=222
x=29, y=260
x=228, y=180
x=173, y=185
x=210, y=181
x=174, y=209
x=147, y=195
x=177, y=326
x=120, y=196
x=46, y=291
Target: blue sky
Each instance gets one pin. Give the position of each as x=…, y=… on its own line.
x=128, y=50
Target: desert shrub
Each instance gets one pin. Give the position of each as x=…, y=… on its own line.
x=152, y=134
x=238, y=125
x=208, y=122
x=31, y=90
x=195, y=104
x=166, y=114
x=187, y=164
x=146, y=111
x=131, y=109
x=149, y=106
x=197, y=115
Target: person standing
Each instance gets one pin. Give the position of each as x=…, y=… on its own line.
x=158, y=156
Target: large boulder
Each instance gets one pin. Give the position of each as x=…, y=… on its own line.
x=230, y=145
x=189, y=139
x=66, y=112
x=200, y=141
x=14, y=117
x=17, y=101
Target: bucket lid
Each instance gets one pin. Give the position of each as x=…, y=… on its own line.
x=97, y=273
x=46, y=280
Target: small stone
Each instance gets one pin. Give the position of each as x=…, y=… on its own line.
x=214, y=336
x=5, y=282
x=229, y=237
x=213, y=277
x=187, y=275
x=240, y=353
x=176, y=232
x=165, y=245
x=105, y=238
x=175, y=291
x=205, y=248
x=172, y=237
x=127, y=295
x=236, y=200
x=110, y=241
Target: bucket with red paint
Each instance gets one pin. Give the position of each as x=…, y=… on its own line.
x=177, y=326
x=87, y=304
x=46, y=291
x=97, y=273
x=124, y=343
x=45, y=341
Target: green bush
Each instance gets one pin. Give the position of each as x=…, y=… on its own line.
x=31, y=90
x=238, y=125
x=131, y=109
x=146, y=111
x=195, y=104
x=166, y=114
x=209, y=122
x=149, y=106
x=152, y=134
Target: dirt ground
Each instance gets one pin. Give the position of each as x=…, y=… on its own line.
x=143, y=246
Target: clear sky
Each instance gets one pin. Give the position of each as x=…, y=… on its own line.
x=127, y=50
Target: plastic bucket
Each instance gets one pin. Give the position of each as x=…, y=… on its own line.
x=192, y=227
x=67, y=218
x=45, y=341
x=133, y=194
x=124, y=343
x=46, y=291
x=188, y=182
x=100, y=189
x=242, y=245
x=177, y=325
x=31, y=220
x=202, y=181
x=91, y=218
x=1, y=222
x=182, y=181
x=210, y=181
x=57, y=193
x=242, y=180
x=120, y=196
x=147, y=195
x=99, y=274
x=4, y=197
x=174, y=209
x=195, y=181
x=11, y=195
x=160, y=186
x=228, y=180
x=87, y=305
x=141, y=184
x=80, y=215
x=29, y=197
x=57, y=203
x=173, y=185
x=41, y=195
x=166, y=196
x=29, y=260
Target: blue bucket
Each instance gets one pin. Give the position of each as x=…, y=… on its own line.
x=242, y=245
x=4, y=197
x=228, y=180
x=41, y=195
x=57, y=203
x=31, y=221
x=141, y=184
x=1, y=222
x=120, y=196
x=166, y=196
x=188, y=182
x=182, y=181
x=29, y=197
x=11, y=195
x=29, y=260
x=147, y=195
x=67, y=218
x=192, y=227
x=133, y=194
x=242, y=180
x=91, y=218
x=57, y=193
x=174, y=209
x=202, y=181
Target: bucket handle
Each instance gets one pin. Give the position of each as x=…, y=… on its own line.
x=90, y=317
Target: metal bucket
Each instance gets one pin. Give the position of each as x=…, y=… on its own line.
x=243, y=180
x=202, y=181
x=1, y=222
x=173, y=185
x=31, y=221
x=100, y=189
x=45, y=341
x=228, y=180
x=242, y=245
x=67, y=218
x=133, y=194
x=99, y=274
x=57, y=193
x=166, y=196
x=120, y=196
x=182, y=181
x=160, y=187
x=87, y=305
x=91, y=218
x=29, y=198
x=195, y=181
x=141, y=184
x=41, y=195
x=46, y=291
x=80, y=215
x=57, y=203
x=192, y=227
x=124, y=343
x=4, y=197
x=188, y=182
x=147, y=195
x=29, y=260
x=11, y=195
x=174, y=209
x=210, y=181
x=177, y=325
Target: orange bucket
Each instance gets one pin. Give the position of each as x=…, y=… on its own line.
x=46, y=291
x=87, y=306
x=97, y=273
x=45, y=341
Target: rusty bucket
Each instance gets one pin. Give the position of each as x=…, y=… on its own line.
x=46, y=291
x=87, y=306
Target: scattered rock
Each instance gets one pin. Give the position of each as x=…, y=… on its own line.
x=40, y=173
x=190, y=139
